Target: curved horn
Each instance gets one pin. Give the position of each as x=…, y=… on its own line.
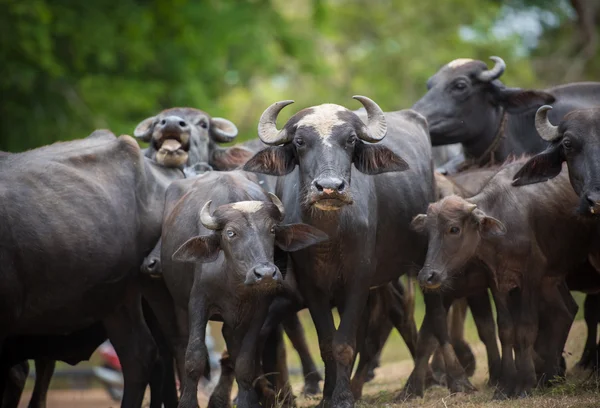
x=494, y=73
x=206, y=219
x=376, y=123
x=277, y=202
x=223, y=130
x=546, y=130
x=471, y=207
x=267, y=125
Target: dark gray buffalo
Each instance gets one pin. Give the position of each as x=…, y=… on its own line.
x=181, y=137
x=341, y=176
x=576, y=141
x=529, y=238
x=221, y=266
x=466, y=103
x=77, y=220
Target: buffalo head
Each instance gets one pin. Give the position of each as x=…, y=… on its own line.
x=247, y=232
x=465, y=99
x=180, y=137
x=576, y=141
x=454, y=228
x=324, y=141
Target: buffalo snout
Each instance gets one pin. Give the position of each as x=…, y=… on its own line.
x=151, y=266
x=593, y=202
x=430, y=278
x=329, y=193
x=173, y=123
x=263, y=273
x=329, y=185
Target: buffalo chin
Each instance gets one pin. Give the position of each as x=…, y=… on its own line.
x=329, y=204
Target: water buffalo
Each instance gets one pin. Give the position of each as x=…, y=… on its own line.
x=220, y=266
x=79, y=218
x=466, y=103
x=340, y=175
x=529, y=238
x=180, y=137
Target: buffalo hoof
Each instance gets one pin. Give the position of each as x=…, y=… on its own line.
x=461, y=385
x=500, y=395
x=465, y=356
x=495, y=371
x=311, y=384
x=411, y=390
x=435, y=378
x=370, y=375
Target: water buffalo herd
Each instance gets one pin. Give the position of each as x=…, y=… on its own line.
x=465, y=193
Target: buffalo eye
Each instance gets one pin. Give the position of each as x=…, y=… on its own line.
x=202, y=123
x=299, y=141
x=272, y=230
x=567, y=144
x=351, y=140
x=230, y=233
x=459, y=86
x=163, y=122
x=454, y=230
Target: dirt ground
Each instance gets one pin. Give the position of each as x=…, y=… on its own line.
x=578, y=391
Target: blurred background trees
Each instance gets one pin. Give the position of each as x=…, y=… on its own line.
x=71, y=66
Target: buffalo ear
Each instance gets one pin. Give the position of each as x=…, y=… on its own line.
x=489, y=226
x=541, y=167
x=293, y=237
x=375, y=159
x=229, y=158
x=516, y=100
x=143, y=131
x=273, y=160
x=418, y=223
x=201, y=249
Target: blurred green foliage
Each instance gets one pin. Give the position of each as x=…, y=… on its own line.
x=71, y=66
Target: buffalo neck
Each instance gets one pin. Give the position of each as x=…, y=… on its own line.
x=487, y=147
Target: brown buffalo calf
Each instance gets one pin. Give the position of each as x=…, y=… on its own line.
x=529, y=238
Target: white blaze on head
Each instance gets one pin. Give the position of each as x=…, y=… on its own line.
x=459, y=62
x=323, y=119
x=247, y=206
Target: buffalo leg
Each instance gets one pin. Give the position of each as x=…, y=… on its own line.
x=591, y=314
x=524, y=309
x=221, y=396
x=275, y=380
x=295, y=332
x=242, y=345
x=344, y=342
x=44, y=369
x=372, y=335
x=14, y=383
x=196, y=355
x=481, y=309
x=401, y=313
x=506, y=333
x=556, y=317
x=135, y=347
x=320, y=311
x=426, y=345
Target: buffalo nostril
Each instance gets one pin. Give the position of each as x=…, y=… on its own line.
x=430, y=277
x=341, y=186
x=318, y=186
x=152, y=264
x=274, y=273
x=257, y=274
